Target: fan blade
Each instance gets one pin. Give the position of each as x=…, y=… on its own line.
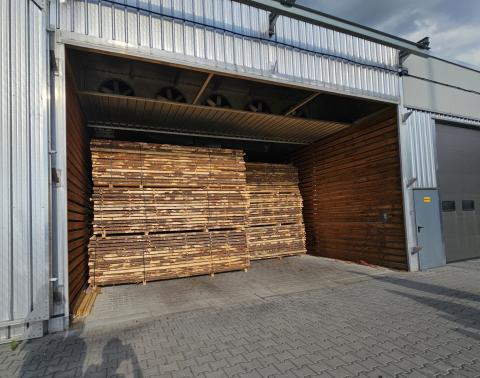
x=106, y=90
x=219, y=101
x=252, y=107
x=116, y=86
x=211, y=102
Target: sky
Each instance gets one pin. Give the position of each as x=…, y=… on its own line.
x=452, y=25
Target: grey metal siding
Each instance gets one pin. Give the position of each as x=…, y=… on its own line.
x=421, y=145
x=233, y=36
x=431, y=84
x=24, y=234
x=421, y=149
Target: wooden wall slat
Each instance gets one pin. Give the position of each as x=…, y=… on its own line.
x=348, y=180
x=78, y=192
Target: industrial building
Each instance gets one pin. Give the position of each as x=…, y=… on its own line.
x=384, y=135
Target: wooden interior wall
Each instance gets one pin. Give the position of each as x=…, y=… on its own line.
x=78, y=192
x=351, y=188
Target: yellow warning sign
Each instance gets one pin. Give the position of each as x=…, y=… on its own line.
x=427, y=199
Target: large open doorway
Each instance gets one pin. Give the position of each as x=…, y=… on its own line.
x=344, y=149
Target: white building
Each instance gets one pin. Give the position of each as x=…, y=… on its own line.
x=318, y=75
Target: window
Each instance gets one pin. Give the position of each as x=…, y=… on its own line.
x=448, y=206
x=468, y=205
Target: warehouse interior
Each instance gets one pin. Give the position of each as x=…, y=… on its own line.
x=345, y=149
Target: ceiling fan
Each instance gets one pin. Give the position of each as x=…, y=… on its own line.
x=117, y=87
x=171, y=94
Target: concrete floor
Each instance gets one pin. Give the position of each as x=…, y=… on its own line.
x=299, y=317
x=264, y=279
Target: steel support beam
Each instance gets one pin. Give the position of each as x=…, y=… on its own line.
x=318, y=18
x=202, y=89
x=302, y=103
x=139, y=128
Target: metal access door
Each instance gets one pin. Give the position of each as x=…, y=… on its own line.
x=429, y=231
x=458, y=154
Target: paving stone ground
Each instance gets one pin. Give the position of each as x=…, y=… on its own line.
x=343, y=321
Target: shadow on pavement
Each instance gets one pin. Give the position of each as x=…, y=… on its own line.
x=423, y=286
x=113, y=354
x=430, y=288
x=40, y=354
x=465, y=316
x=70, y=352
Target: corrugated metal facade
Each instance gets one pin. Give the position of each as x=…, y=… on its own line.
x=209, y=34
x=421, y=146
x=227, y=35
x=24, y=199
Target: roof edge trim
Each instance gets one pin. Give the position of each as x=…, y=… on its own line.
x=322, y=19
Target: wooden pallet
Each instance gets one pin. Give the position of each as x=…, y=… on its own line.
x=275, y=220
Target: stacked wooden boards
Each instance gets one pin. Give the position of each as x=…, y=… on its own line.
x=352, y=188
x=163, y=211
x=275, y=221
x=79, y=187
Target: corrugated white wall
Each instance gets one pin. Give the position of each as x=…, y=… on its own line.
x=24, y=234
x=233, y=36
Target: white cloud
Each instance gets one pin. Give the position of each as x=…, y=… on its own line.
x=459, y=43
x=453, y=26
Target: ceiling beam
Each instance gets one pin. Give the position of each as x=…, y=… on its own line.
x=191, y=134
x=302, y=103
x=202, y=89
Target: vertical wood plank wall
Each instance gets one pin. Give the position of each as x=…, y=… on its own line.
x=78, y=191
x=351, y=187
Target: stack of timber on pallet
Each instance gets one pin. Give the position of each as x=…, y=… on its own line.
x=275, y=222
x=163, y=211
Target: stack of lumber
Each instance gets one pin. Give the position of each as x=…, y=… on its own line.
x=351, y=184
x=133, y=210
x=275, y=221
x=163, y=211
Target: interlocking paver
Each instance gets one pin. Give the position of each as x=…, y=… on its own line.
x=252, y=365
x=218, y=364
x=234, y=370
x=355, y=368
x=285, y=366
x=251, y=374
x=305, y=371
x=199, y=369
x=373, y=323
